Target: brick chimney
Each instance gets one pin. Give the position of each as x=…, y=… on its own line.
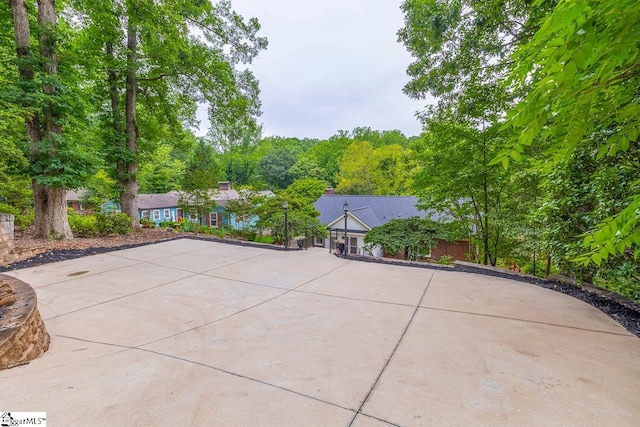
x=329, y=191
x=224, y=185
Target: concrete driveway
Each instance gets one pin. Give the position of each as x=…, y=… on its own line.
x=208, y=334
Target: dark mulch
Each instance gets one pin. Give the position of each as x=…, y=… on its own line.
x=624, y=312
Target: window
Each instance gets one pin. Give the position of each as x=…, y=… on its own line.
x=156, y=215
x=214, y=219
x=353, y=245
x=167, y=214
x=145, y=214
x=319, y=241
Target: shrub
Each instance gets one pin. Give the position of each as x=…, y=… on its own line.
x=166, y=224
x=83, y=225
x=113, y=223
x=187, y=226
x=209, y=230
x=265, y=239
x=22, y=220
x=445, y=259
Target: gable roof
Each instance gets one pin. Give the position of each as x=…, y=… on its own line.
x=373, y=211
x=75, y=195
x=158, y=201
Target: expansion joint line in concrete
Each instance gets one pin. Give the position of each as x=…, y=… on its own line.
x=121, y=297
x=537, y=322
x=155, y=262
x=415, y=311
x=215, y=368
x=193, y=274
x=244, y=309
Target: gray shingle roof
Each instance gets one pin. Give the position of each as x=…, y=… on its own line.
x=372, y=210
x=158, y=201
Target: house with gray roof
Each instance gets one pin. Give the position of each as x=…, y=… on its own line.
x=165, y=207
x=362, y=213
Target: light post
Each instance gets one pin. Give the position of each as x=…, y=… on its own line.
x=285, y=206
x=345, y=208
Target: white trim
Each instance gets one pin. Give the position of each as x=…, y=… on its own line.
x=349, y=214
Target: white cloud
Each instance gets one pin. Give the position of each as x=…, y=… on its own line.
x=331, y=65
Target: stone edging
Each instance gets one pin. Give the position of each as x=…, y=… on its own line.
x=23, y=336
x=243, y=243
x=392, y=261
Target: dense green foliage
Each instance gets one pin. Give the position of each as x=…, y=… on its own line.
x=531, y=149
x=551, y=90
x=415, y=236
x=100, y=224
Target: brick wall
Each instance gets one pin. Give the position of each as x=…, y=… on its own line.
x=458, y=250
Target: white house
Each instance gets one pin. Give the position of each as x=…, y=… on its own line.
x=362, y=213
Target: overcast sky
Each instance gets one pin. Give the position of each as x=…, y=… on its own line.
x=331, y=65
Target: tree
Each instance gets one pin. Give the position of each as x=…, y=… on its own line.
x=164, y=58
x=303, y=193
x=413, y=235
x=161, y=173
x=56, y=161
x=389, y=169
x=307, y=168
x=244, y=206
x=365, y=170
x=16, y=196
x=99, y=189
x=451, y=174
x=461, y=50
x=356, y=171
x=198, y=185
x=584, y=63
x=274, y=168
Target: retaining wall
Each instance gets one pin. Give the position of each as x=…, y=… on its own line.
x=23, y=335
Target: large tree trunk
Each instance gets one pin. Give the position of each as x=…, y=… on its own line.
x=49, y=203
x=128, y=181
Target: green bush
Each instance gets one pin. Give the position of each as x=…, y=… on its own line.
x=187, y=226
x=167, y=224
x=208, y=230
x=146, y=222
x=113, y=223
x=445, y=259
x=83, y=225
x=21, y=219
x=265, y=239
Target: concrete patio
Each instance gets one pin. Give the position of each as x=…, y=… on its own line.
x=199, y=333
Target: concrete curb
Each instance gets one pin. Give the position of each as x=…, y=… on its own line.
x=391, y=261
